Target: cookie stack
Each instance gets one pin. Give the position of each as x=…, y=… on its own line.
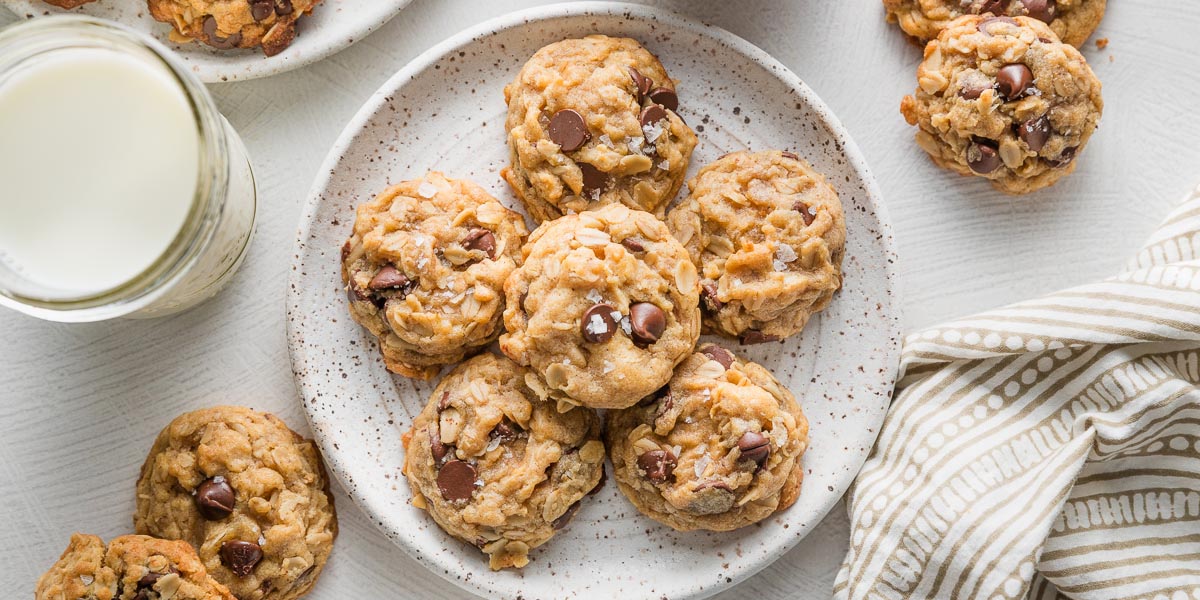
x=231, y=504
x=600, y=308
x=1003, y=93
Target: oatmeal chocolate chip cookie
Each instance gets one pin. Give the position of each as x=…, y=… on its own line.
x=592, y=121
x=495, y=465
x=1002, y=98
x=1072, y=20
x=131, y=567
x=227, y=24
x=767, y=234
x=718, y=448
x=603, y=309
x=248, y=493
x=425, y=271
x=68, y=4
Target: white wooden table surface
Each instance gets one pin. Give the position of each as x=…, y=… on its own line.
x=80, y=405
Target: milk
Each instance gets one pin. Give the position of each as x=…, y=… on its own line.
x=99, y=162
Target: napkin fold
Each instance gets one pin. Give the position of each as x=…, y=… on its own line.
x=1048, y=449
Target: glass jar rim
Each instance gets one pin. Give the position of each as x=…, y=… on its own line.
x=33, y=39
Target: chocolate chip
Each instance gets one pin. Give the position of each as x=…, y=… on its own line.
x=647, y=322
x=481, y=239
x=634, y=244
x=505, y=431
x=345, y=250
x=708, y=293
x=148, y=580
x=283, y=7
x=972, y=91
x=791, y=155
x=666, y=97
x=240, y=556
x=568, y=130
x=753, y=336
x=261, y=9
x=566, y=517
x=597, y=323
x=216, y=41
x=805, y=212
x=1065, y=158
x=652, y=114
x=1014, y=80
x=992, y=6
x=593, y=178
x=985, y=26
x=755, y=447
x=444, y=402
x=215, y=498
x=718, y=354
x=388, y=278
x=982, y=156
x=641, y=84
x=665, y=400
x=1035, y=132
x=436, y=447
x=658, y=465
x=456, y=480
x=1042, y=10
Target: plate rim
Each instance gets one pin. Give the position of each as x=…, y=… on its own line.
x=850, y=151
x=216, y=68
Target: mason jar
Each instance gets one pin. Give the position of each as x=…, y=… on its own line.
x=213, y=232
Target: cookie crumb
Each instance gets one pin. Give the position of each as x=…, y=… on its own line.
x=1102, y=43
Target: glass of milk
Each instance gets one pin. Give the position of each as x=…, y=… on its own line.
x=123, y=191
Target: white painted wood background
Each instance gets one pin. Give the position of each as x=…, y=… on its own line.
x=80, y=405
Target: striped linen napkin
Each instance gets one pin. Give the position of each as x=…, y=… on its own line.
x=1049, y=449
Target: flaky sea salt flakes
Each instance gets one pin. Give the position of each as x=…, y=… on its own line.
x=635, y=144
x=596, y=326
x=616, y=315
x=262, y=541
x=419, y=239
x=421, y=262
x=626, y=326
x=427, y=190
x=665, y=165
x=607, y=141
x=653, y=131
x=493, y=444
x=701, y=465
x=594, y=194
x=785, y=253
x=86, y=579
x=608, y=367
x=594, y=296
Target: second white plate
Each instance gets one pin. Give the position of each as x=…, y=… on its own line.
x=332, y=26
x=445, y=111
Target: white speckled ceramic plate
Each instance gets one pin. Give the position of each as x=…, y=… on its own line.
x=445, y=111
x=332, y=26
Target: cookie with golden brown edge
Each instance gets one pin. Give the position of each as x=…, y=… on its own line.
x=1002, y=98
x=248, y=493
x=718, y=448
x=497, y=466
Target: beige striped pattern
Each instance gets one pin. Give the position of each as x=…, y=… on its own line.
x=1049, y=449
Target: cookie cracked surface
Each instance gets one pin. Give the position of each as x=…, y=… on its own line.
x=130, y=567
x=1072, y=20
x=495, y=465
x=767, y=234
x=592, y=121
x=1002, y=98
x=226, y=24
x=603, y=308
x=425, y=271
x=719, y=448
x=248, y=493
